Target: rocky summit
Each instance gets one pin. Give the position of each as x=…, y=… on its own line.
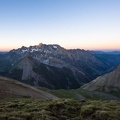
x=51, y=66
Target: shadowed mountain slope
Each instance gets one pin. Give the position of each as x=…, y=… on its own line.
x=109, y=82
x=51, y=66
x=12, y=88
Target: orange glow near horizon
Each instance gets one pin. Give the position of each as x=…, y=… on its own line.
x=8, y=48
x=86, y=47
x=89, y=25
x=103, y=45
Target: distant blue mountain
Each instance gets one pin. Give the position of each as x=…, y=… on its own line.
x=106, y=52
x=3, y=52
x=113, y=52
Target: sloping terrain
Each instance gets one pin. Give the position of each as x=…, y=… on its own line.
x=109, y=82
x=81, y=94
x=51, y=66
x=10, y=88
x=111, y=58
x=30, y=71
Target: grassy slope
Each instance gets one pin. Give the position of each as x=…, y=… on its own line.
x=80, y=94
x=27, y=109
x=14, y=108
x=12, y=88
x=19, y=108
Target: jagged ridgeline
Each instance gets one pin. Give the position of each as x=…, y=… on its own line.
x=51, y=66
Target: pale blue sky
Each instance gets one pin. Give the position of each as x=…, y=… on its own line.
x=84, y=24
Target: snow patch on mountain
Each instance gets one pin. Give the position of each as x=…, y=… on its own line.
x=34, y=50
x=55, y=47
x=23, y=51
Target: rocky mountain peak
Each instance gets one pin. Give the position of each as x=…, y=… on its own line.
x=38, y=48
x=40, y=44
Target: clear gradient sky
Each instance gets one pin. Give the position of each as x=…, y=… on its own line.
x=84, y=24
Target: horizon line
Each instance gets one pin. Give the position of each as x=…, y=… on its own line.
x=105, y=50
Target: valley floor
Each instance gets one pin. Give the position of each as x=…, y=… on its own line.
x=61, y=109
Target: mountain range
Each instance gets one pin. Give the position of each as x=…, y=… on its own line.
x=53, y=66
